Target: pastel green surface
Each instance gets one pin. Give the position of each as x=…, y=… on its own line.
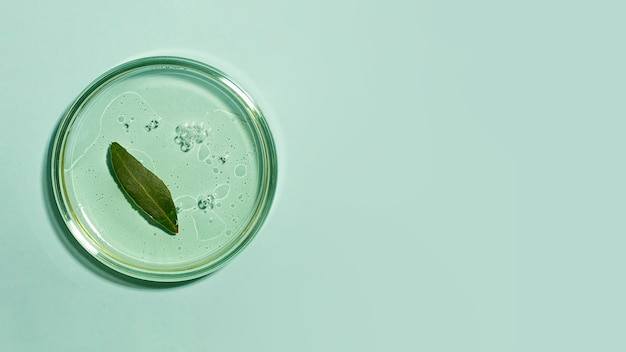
x=451, y=177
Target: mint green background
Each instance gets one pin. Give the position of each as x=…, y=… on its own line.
x=451, y=177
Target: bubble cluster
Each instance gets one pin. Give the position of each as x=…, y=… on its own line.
x=189, y=133
x=125, y=122
x=152, y=125
x=206, y=202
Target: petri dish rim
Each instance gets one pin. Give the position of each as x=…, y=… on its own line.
x=267, y=164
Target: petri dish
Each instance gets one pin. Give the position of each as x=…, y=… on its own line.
x=194, y=128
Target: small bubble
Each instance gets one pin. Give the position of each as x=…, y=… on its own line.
x=152, y=125
x=221, y=191
x=206, y=202
x=223, y=158
x=186, y=146
x=241, y=170
x=203, y=152
x=216, y=170
x=229, y=232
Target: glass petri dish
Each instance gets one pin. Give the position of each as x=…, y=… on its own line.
x=194, y=128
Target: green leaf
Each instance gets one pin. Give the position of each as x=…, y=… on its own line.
x=144, y=188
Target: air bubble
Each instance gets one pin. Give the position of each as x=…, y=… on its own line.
x=186, y=146
x=189, y=133
x=186, y=203
x=223, y=158
x=206, y=202
x=152, y=125
x=203, y=152
x=241, y=170
x=221, y=191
